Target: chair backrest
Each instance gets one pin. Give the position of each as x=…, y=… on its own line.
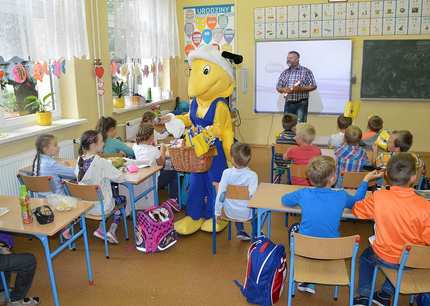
x=298, y=171
x=324, y=248
x=352, y=180
x=36, y=183
x=89, y=193
x=280, y=148
x=235, y=192
x=419, y=256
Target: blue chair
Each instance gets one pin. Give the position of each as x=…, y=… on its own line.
x=322, y=261
x=92, y=193
x=413, y=275
x=279, y=166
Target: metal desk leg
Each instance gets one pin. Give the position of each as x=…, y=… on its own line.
x=87, y=251
x=269, y=223
x=260, y=213
x=133, y=205
x=45, y=243
x=154, y=185
x=178, y=178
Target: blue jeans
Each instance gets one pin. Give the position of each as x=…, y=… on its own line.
x=239, y=226
x=299, y=108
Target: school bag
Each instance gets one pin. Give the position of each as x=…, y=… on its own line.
x=265, y=272
x=154, y=229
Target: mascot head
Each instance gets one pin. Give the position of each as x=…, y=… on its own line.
x=211, y=74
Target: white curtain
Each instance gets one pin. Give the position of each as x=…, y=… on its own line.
x=145, y=29
x=43, y=29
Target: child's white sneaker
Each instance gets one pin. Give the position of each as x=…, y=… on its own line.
x=111, y=237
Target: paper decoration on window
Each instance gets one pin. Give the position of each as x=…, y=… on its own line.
x=328, y=11
x=389, y=26
x=38, y=72
x=364, y=10
x=114, y=68
x=19, y=73
x=270, y=13
x=259, y=31
x=414, y=25
x=376, y=25
x=377, y=9
x=363, y=27
x=389, y=8
x=259, y=15
x=316, y=28
x=123, y=71
x=304, y=12
x=425, y=25
x=316, y=12
x=401, y=26
x=281, y=14
x=327, y=28
x=402, y=8
x=352, y=10
x=351, y=27
x=293, y=13
x=1, y=74
x=339, y=27
x=426, y=8
x=293, y=29
x=281, y=30
x=415, y=8
x=99, y=71
x=145, y=71
x=270, y=30
x=339, y=10
x=304, y=29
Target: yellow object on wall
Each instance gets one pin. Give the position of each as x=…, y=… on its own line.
x=261, y=129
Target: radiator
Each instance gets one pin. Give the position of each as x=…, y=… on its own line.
x=9, y=166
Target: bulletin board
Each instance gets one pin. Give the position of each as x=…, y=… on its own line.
x=210, y=25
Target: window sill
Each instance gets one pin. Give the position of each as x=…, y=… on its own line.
x=130, y=108
x=34, y=130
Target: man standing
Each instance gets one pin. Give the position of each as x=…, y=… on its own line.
x=295, y=83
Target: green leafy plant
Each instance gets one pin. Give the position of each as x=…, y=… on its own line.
x=119, y=89
x=34, y=104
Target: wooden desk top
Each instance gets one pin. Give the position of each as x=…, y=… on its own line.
x=269, y=196
x=12, y=222
x=135, y=178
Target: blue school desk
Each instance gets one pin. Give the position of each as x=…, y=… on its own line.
x=11, y=222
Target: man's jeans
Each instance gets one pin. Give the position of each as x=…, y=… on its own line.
x=299, y=108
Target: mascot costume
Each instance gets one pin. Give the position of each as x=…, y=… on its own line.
x=211, y=80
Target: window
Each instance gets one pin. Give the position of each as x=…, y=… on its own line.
x=13, y=104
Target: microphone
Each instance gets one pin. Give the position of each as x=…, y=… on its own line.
x=235, y=58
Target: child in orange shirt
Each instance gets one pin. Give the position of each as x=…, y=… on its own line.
x=305, y=150
x=401, y=217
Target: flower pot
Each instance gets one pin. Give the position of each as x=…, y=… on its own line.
x=44, y=118
x=119, y=102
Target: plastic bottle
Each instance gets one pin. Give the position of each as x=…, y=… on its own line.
x=24, y=202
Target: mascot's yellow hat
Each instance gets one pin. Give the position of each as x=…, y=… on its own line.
x=211, y=54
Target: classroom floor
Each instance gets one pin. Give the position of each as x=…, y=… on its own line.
x=185, y=275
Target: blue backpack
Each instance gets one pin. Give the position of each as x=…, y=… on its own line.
x=265, y=273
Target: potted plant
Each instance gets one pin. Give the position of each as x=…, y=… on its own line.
x=119, y=90
x=34, y=104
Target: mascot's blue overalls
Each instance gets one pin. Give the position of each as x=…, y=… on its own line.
x=211, y=79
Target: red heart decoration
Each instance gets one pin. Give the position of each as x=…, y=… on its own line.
x=99, y=72
x=1, y=74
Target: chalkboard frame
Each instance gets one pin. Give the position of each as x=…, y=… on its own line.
x=386, y=99
x=272, y=113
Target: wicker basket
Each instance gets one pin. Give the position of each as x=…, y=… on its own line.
x=184, y=159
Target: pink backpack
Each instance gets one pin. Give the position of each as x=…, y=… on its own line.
x=154, y=229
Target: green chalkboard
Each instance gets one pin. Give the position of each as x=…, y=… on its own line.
x=396, y=69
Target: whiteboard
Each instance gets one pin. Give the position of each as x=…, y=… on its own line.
x=329, y=60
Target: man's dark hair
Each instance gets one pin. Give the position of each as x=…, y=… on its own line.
x=400, y=168
x=295, y=52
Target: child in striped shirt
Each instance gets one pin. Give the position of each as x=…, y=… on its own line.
x=350, y=156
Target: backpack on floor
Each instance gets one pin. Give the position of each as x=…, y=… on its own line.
x=265, y=273
x=154, y=229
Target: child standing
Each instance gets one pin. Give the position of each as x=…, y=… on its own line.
x=304, y=152
x=107, y=127
x=44, y=163
x=289, y=122
x=148, y=118
x=322, y=207
x=336, y=140
x=94, y=170
x=350, y=156
x=239, y=175
x=146, y=151
x=375, y=125
x=401, y=217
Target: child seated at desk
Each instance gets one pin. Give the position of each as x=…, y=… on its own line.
x=401, y=217
x=146, y=151
x=304, y=152
x=107, y=127
x=94, y=170
x=148, y=118
x=375, y=124
x=44, y=163
x=322, y=207
x=350, y=157
x=336, y=140
x=287, y=136
x=238, y=175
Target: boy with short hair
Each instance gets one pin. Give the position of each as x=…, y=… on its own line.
x=238, y=175
x=289, y=122
x=304, y=152
x=401, y=217
x=350, y=156
x=375, y=125
x=336, y=140
x=322, y=207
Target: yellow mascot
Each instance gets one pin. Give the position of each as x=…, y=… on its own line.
x=211, y=81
